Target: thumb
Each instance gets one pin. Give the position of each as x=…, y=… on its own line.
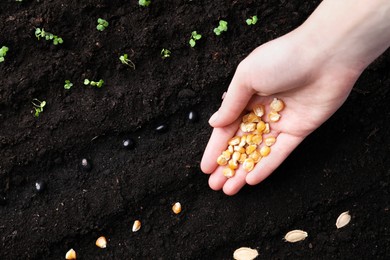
x=235, y=101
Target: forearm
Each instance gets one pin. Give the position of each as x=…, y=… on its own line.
x=352, y=32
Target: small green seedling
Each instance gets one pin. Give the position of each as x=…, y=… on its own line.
x=98, y=84
x=125, y=60
x=68, y=84
x=252, y=20
x=48, y=36
x=222, y=27
x=3, y=53
x=38, y=106
x=102, y=24
x=194, y=37
x=144, y=3
x=165, y=53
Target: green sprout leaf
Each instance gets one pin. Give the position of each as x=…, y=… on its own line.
x=222, y=27
x=86, y=81
x=165, y=53
x=194, y=37
x=40, y=33
x=144, y=3
x=98, y=84
x=68, y=84
x=252, y=20
x=102, y=24
x=3, y=53
x=38, y=106
x=126, y=61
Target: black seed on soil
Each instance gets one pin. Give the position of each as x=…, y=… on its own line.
x=162, y=128
x=86, y=165
x=193, y=116
x=128, y=143
x=40, y=186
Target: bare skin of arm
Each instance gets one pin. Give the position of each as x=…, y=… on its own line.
x=312, y=69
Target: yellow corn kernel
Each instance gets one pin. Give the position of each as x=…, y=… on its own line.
x=265, y=150
x=269, y=141
x=245, y=118
x=256, y=156
x=274, y=116
x=236, y=156
x=221, y=160
x=71, y=254
x=239, y=149
x=176, y=208
x=234, y=141
x=243, y=141
x=233, y=164
x=230, y=149
x=258, y=110
x=101, y=242
x=253, y=118
x=248, y=164
x=249, y=139
x=267, y=129
x=249, y=149
x=228, y=173
x=248, y=127
x=242, y=158
x=277, y=105
x=260, y=126
x=226, y=154
x=257, y=139
x=136, y=226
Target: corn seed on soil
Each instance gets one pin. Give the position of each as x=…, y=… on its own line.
x=344, y=166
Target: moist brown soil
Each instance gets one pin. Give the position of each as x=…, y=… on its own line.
x=343, y=166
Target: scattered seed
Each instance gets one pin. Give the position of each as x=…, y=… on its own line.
x=257, y=139
x=343, y=219
x=193, y=116
x=265, y=150
x=245, y=253
x=101, y=242
x=256, y=156
x=222, y=160
x=242, y=158
x=250, y=148
x=136, y=226
x=260, y=126
x=259, y=110
x=243, y=141
x=228, y=173
x=233, y=165
x=86, y=165
x=276, y=105
x=295, y=236
x=274, y=116
x=269, y=141
x=71, y=254
x=251, y=118
x=266, y=129
x=248, y=127
x=128, y=143
x=176, y=208
x=40, y=186
x=230, y=149
x=239, y=149
x=226, y=154
x=248, y=164
x=236, y=156
x=163, y=128
x=234, y=141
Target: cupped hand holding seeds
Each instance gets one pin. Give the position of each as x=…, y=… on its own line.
x=312, y=69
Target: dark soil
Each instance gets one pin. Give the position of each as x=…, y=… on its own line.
x=342, y=166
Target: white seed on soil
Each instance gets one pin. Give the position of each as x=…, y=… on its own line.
x=343, y=219
x=101, y=242
x=245, y=253
x=295, y=236
x=71, y=254
x=176, y=208
x=136, y=226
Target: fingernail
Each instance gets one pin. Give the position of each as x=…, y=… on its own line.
x=213, y=118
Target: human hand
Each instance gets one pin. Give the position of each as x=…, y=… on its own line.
x=312, y=87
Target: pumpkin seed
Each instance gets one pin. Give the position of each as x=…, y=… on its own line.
x=245, y=253
x=343, y=219
x=295, y=236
